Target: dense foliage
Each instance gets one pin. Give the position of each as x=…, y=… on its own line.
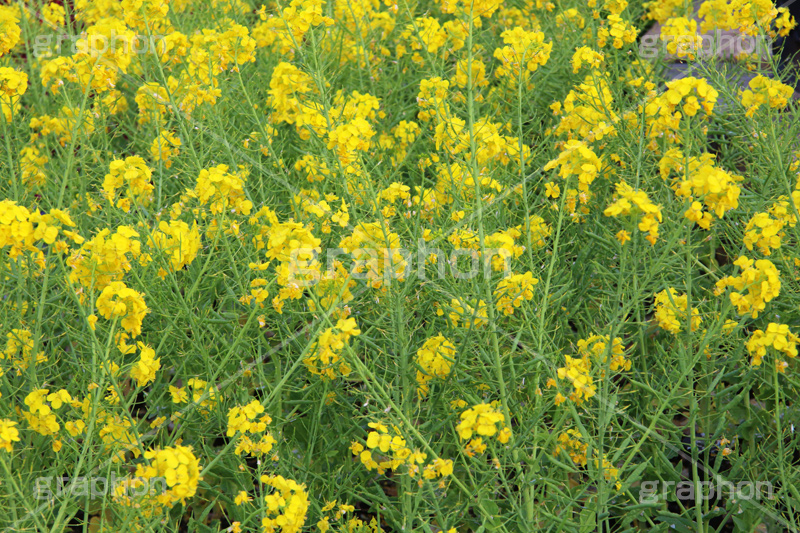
x=418, y=266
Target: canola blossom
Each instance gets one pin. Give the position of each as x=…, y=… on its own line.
x=364, y=266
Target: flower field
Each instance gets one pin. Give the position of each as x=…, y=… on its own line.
x=362, y=266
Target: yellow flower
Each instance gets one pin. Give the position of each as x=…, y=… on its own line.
x=765, y=232
x=243, y=419
x=512, y=290
x=588, y=111
x=9, y=28
x=165, y=147
x=220, y=190
x=177, y=241
x=286, y=505
x=118, y=301
x=778, y=337
x=178, y=394
x=577, y=159
x=670, y=312
x=242, y=498
x=577, y=372
x=325, y=355
x=376, y=254
x=434, y=358
x=521, y=45
x=680, y=34
x=179, y=468
x=760, y=278
x=629, y=201
x=570, y=442
x=105, y=258
x=19, y=350
x=585, y=55
x=8, y=434
x=54, y=14
x=551, y=190
x=75, y=428
x=144, y=370
x=482, y=419
x=746, y=17
x=133, y=173
x=57, y=399
x=13, y=84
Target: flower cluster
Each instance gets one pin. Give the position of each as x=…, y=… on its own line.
x=287, y=505
x=165, y=148
x=8, y=435
x=524, y=52
x=597, y=349
x=682, y=38
x=393, y=446
x=683, y=97
x=32, y=161
x=106, y=258
x=23, y=231
x=764, y=91
x=577, y=159
x=479, y=421
x=246, y=422
x=204, y=395
x=593, y=351
x=765, y=232
x=587, y=112
x=468, y=315
x=144, y=370
x=617, y=30
x=325, y=355
x=353, y=524
x=222, y=191
x=662, y=10
x=512, y=290
x=586, y=56
x=178, y=466
x=18, y=352
x=578, y=372
x=759, y=278
x=9, y=28
x=572, y=443
x=285, y=31
x=376, y=254
x=670, y=311
x=294, y=247
x=630, y=201
x=136, y=175
x=435, y=359
x=748, y=17
x=707, y=188
x=177, y=241
x=117, y=301
x=13, y=85
x=40, y=416
x=778, y=337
